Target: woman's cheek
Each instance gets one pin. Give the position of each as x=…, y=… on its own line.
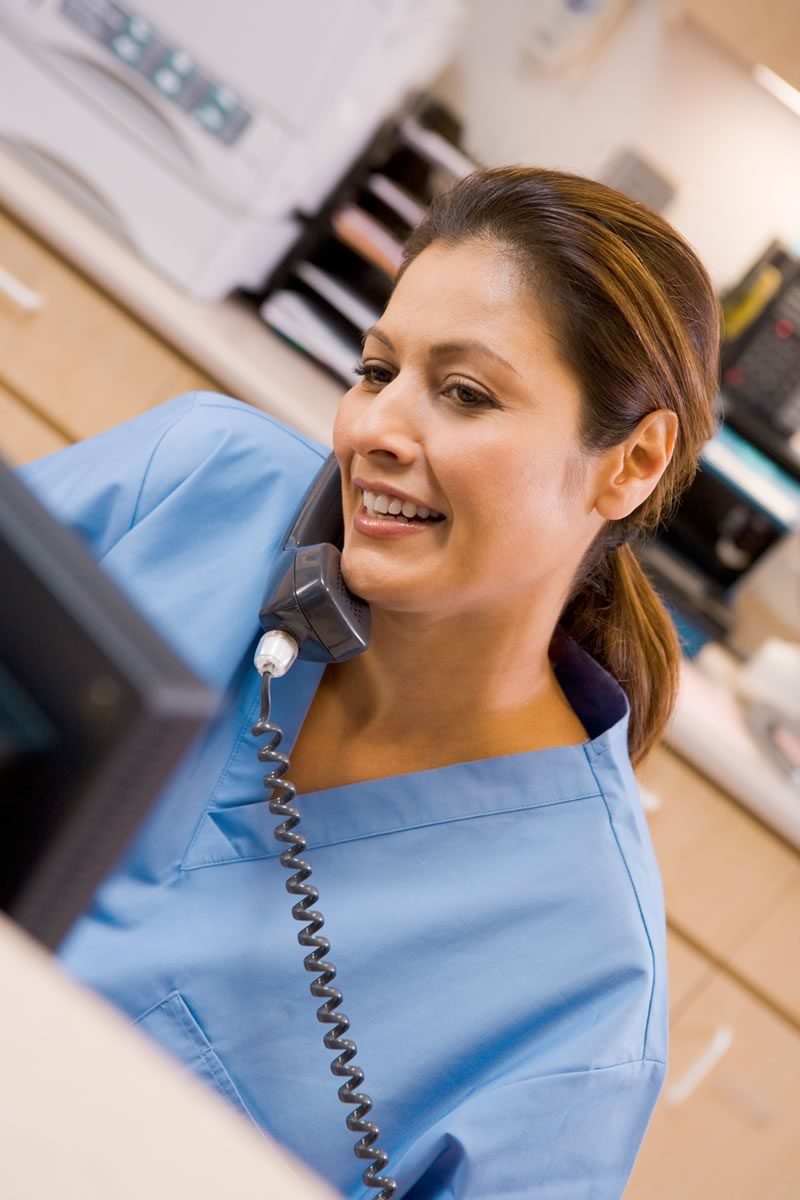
x=340, y=425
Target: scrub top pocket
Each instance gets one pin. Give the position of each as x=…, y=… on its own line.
x=171, y=1024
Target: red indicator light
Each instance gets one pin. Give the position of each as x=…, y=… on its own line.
x=784, y=328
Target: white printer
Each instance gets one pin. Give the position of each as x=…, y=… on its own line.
x=201, y=132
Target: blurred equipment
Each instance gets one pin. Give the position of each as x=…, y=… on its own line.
x=779, y=738
x=207, y=136
x=95, y=712
x=734, y=724
x=566, y=32
x=740, y=505
x=745, y=499
x=632, y=174
x=761, y=357
x=766, y=603
x=772, y=676
x=768, y=688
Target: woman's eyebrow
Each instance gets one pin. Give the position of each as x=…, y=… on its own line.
x=442, y=349
x=376, y=332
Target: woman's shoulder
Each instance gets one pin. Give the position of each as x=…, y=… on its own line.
x=202, y=468
x=189, y=438
x=233, y=450
x=196, y=416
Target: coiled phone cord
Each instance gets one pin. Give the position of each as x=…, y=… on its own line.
x=273, y=658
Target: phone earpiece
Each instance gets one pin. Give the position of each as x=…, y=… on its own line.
x=313, y=603
x=307, y=595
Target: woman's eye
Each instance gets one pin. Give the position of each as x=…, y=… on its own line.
x=465, y=395
x=373, y=373
x=468, y=396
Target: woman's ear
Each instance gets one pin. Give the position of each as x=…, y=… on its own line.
x=631, y=470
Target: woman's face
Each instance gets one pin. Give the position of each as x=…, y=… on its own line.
x=466, y=407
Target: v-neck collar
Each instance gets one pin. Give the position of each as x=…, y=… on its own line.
x=593, y=694
x=468, y=789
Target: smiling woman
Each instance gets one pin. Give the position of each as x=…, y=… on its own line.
x=580, y=334
x=534, y=396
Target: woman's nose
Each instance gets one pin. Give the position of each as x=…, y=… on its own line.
x=388, y=420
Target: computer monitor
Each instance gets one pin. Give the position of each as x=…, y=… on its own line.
x=96, y=711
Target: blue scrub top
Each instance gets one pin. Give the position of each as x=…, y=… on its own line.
x=497, y=926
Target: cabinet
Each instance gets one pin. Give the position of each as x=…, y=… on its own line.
x=23, y=434
x=767, y=32
x=726, y=1121
x=689, y=971
x=732, y=887
x=768, y=959
x=73, y=359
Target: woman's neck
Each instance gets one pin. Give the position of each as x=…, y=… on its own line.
x=463, y=683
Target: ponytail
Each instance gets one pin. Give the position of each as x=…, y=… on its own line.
x=618, y=618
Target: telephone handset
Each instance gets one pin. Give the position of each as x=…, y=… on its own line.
x=309, y=612
x=306, y=595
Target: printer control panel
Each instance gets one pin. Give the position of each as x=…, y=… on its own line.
x=168, y=68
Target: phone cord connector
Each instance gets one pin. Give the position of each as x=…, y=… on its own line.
x=275, y=654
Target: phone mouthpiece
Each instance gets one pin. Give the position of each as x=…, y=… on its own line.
x=275, y=653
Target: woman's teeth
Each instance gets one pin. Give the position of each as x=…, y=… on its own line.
x=378, y=504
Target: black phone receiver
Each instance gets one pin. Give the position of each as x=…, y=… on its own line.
x=306, y=595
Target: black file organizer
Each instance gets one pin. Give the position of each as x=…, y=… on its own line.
x=420, y=175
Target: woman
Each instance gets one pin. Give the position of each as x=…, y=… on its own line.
x=543, y=380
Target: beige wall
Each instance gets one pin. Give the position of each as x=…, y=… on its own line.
x=731, y=148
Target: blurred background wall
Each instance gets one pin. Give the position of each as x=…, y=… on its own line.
x=657, y=84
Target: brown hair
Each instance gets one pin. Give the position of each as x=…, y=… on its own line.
x=634, y=315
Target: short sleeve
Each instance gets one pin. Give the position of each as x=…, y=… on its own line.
x=569, y=1136
x=95, y=486
x=185, y=507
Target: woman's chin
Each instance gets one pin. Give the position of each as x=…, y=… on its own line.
x=373, y=584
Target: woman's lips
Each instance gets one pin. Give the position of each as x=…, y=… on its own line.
x=391, y=527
